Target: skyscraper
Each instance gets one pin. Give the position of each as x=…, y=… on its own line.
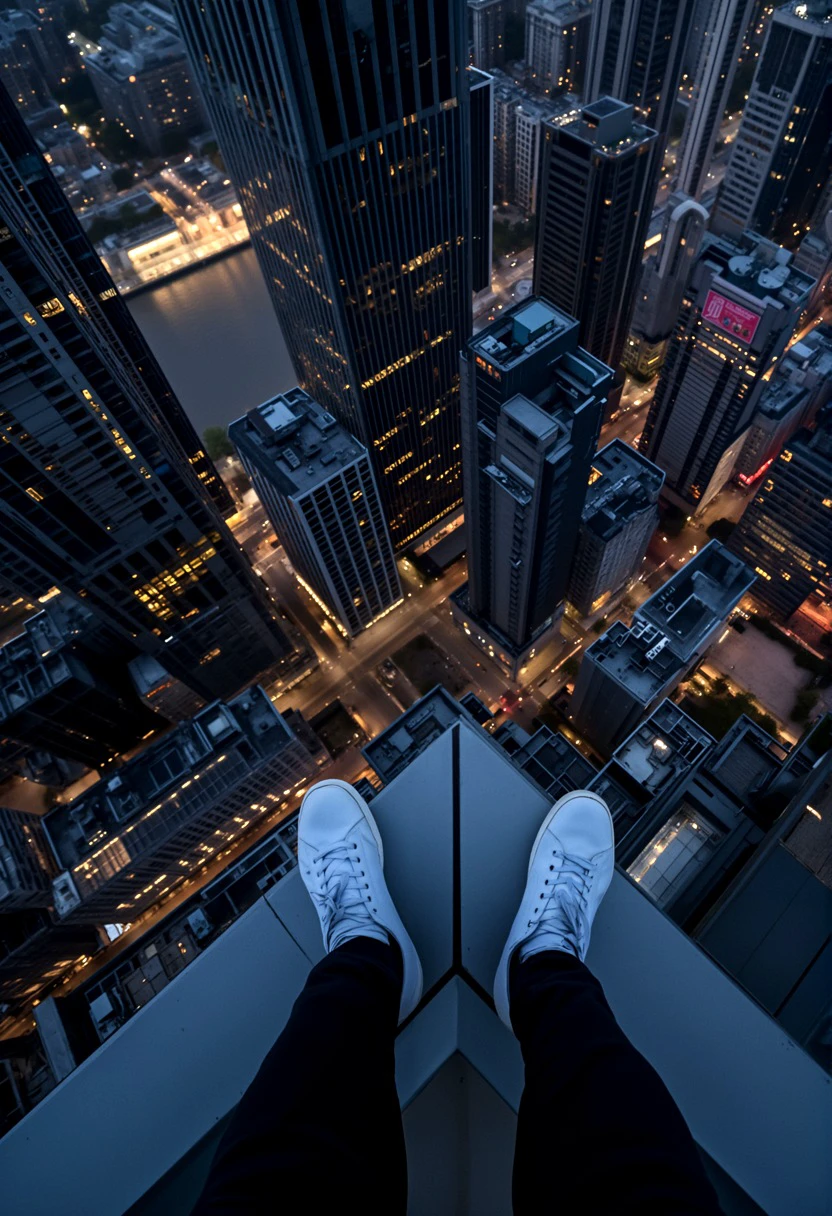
x=636, y=49
x=531, y=412
x=518, y=132
x=597, y=186
x=620, y=513
x=105, y=491
x=346, y=129
x=663, y=279
x=782, y=156
x=557, y=44
x=740, y=307
x=316, y=483
x=785, y=536
x=724, y=30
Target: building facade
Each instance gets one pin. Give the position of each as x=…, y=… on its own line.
x=598, y=181
x=532, y=407
x=317, y=485
x=354, y=172
x=105, y=490
x=799, y=387
x=740, y=307
x=619, y=516
x=130, y=839
x=636, y=53
x=518, y=133
x=57, y=695
x=26, y=864
x=785, y=535
x=663, y=279
x=723, y=32
x=142, y=77
x=782, y=155
x=491, y=22
x=557, y=45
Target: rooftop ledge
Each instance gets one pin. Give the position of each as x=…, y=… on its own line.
x=457, y=825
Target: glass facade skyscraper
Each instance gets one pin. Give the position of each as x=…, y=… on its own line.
x=105, y=492
x=346, y=127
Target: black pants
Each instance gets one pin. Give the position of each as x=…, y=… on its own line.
x=319, y=1129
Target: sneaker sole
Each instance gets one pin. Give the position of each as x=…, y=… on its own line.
x=410, y=957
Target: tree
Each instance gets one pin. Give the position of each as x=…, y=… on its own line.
x=570, y=667
x=122, y=177
x=217, y=443
x=804, y=704
x=720, y=530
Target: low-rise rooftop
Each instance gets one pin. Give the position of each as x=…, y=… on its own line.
x=167, y=772
x=304, y=443
x=697, y=598
x=758, y=267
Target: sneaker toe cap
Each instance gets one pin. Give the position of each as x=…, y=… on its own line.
x=583, y=826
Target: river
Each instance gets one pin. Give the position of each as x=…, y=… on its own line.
x=216, y=336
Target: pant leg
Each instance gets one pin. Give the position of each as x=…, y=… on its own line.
x=597, y=1129
x=321, y=1120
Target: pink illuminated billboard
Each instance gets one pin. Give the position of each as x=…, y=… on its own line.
x=731, y=317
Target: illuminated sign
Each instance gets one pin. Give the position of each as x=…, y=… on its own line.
x=731, y=317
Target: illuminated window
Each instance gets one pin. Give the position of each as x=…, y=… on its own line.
x=50, y=308
x=29, y=319
x=786, y=455
x=33, y=493
x=595, y=475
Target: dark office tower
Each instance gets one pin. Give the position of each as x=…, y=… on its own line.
x=317, y=485
x=782, y=156
x=636, y=49
x=489, y=20
x=57, y=695
x=26, y=863
x=596, y=196
x=104, y=489
x=346, y=128
x=785, y=536
x=532, y=403
x=725, y=25
x=663, y=279
x=482, y=177
x=740, y=308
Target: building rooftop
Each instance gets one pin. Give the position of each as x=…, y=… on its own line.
x=609, y=126
x=395, y=748
x=746, y=759
x=521, y=331
x=457, y=827
x=640, y=658
x=698, y=597
x=758, y=267
x=552, y=762
x=621, y=485
x=33, y=663
x=304, y=443
x=666, y=744
x=166, y=772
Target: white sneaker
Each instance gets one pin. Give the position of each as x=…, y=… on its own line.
x=341, y=861
x=570, y=868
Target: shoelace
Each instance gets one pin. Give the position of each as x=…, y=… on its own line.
x=564, y=910
x=344, y=893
